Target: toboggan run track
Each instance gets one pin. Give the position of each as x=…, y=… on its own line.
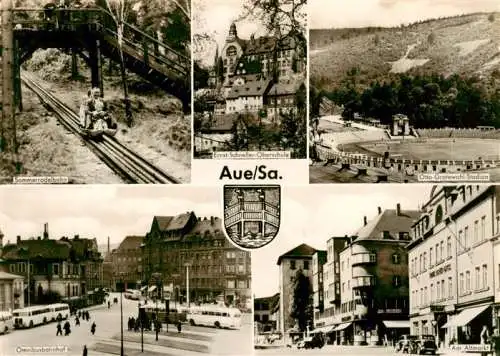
x=131, y=167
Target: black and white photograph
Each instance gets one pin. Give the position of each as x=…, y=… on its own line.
x=252, y=214
x=250, y=78
x=120, y=270
x=404, y=91
x=381, y=270
x=96, y=91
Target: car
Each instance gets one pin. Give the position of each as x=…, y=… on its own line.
x=316, y=340
x=426, y=344
x=404, y=342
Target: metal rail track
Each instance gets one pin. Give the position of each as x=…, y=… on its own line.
x=131, y=167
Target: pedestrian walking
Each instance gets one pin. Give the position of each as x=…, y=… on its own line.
x=77, y=321
x=85, y=350
x=59, y=329
x=92, y=328
x=109, y=304
x=179, y=326
x=67, y=328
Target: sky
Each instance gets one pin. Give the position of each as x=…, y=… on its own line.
x=214, y=17
x=98, y=211
x=388, y=13
x=314, y=213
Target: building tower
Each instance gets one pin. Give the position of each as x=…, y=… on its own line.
x=46, y=231
x=233, y=33
x=108, y=252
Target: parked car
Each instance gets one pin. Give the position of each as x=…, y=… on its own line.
x=132, y=294
x=426, y=344
x=317, y=340
x=404, y=343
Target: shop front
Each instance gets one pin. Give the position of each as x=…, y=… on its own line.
x=392, y=330
x=465, y=327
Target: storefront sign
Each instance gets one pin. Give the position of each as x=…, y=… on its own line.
x=389, y=311
x=440, y=270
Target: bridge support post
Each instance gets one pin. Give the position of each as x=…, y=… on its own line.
x=96, y=65
x=8, y=141
x=18, y=98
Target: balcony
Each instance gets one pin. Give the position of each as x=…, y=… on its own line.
x=363, y=282
x=361, y=310
x=364, y=258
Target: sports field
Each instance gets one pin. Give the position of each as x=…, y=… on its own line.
x=431, y=149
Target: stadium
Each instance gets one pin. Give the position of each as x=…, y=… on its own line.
x=365, y=151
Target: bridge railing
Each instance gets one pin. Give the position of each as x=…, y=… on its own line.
x=150, y=49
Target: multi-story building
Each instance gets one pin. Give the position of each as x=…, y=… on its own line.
x=290, y=263
x=193, y=254
x=263, y=309
x=325, y=319
x=452, y=264
x=318, y=282
x=370, y=271
x=11, y=286
x=258, y=55
x=127, y=262
x=53, y=269
x=247, y=94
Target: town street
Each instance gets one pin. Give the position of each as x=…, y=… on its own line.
x=106, y=341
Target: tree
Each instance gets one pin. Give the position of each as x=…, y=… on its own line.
x=302, y=301
x=117, y=9
x=201, y=76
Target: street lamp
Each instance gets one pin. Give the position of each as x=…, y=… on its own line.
x=122, y=285
x=188, y=264
x=157, y=277
x=141, y=320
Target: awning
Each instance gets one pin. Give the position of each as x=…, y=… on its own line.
x=465, y=316
x=324, y=329
x=342, y=326
x=397, y=324
x=152, y=288
x=144, y=288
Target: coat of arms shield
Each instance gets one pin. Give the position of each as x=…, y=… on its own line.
x=252, y=214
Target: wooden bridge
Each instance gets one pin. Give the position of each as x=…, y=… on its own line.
x=92, y=34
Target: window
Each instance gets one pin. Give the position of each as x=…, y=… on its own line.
x=438, y=290
x=438, y=256
x=241, y=284
x=343, y=287
x=396, y=258
x=448, y=247
x=421, y=269
x=348, y=285
x=477, y=277
x=461, y=285
x=387, y=234
x=450, y=287
x=485, y=276
x=343, y=265
x=466, y=237
x=230, y=284
x=461, y=240
x=433, y=293
x=439, y=214
x=483, y=227
x=441, y=246
x=396, y=281
x=443, y=289
x=292, y=265
x=306, y=265
x=476, y=231
x=431, y=257
x=467, y=281
x=425, y=260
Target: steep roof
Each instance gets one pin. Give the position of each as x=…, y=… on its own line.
x=302, y=250
x=180, y=221
x=163, y=221
x=131, y=243
x=389, y=220
x=219, y=123
x=250, y=88
x=50, y=249
x=285, y=88
x=272, y=300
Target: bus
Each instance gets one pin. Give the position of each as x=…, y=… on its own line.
x=59, y=311
x=6, y=322
x=32, y=316
x=174, y=315
x=220, y=317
